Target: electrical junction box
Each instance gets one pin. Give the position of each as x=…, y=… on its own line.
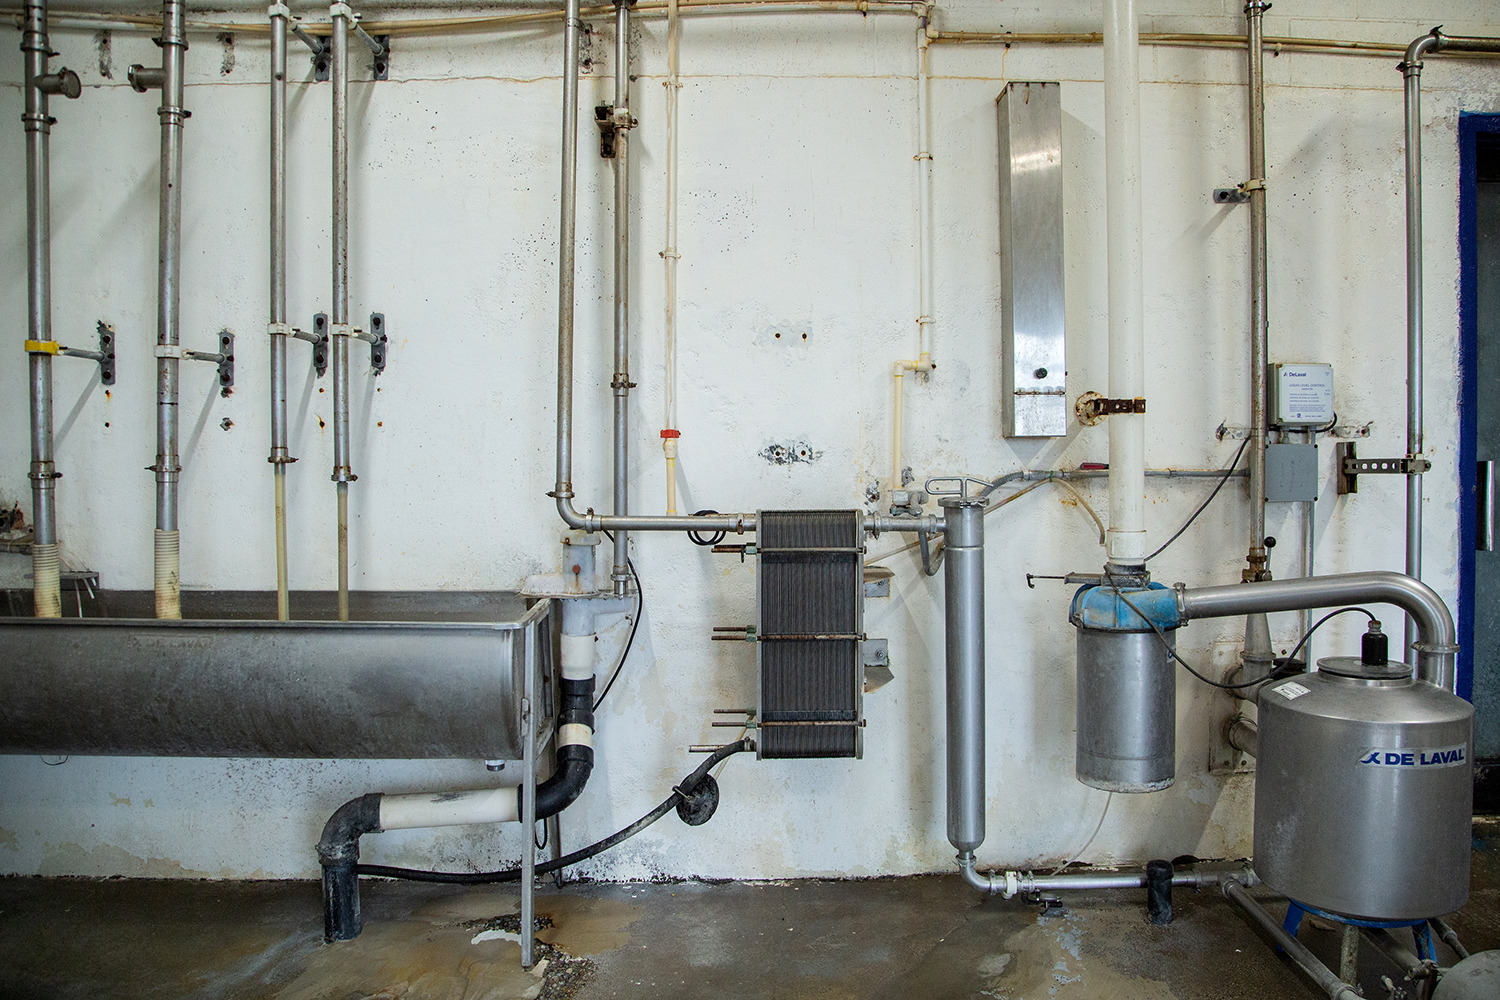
x=1292, y=471
x=1301, y=395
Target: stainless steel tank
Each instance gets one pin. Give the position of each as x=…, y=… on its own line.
x=1127, y=710
x=1363, y=791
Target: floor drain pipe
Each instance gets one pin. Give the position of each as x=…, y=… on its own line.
x=40, y=347
x=963, y=593
x=168, y=468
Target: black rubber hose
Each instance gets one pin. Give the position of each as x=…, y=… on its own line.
x=688, y=785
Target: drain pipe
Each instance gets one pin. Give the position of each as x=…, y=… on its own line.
x=40, y=347
x=338, y=328
x=1411, y=71
x=963, y=592
x=621, y=122
x=1127, y=361
x=168, y=467
x=338, y=848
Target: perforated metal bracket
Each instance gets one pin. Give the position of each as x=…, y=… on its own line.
x=378, y=342
x=1351, y=467
x=320, y=344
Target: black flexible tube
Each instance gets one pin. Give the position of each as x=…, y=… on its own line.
x=583, y=854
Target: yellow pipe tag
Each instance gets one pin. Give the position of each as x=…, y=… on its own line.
x=41, y=347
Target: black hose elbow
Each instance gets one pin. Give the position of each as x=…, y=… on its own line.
x=338, y=853
x=575, y=761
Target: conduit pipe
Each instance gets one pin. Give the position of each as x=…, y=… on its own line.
x=338, y=328
x=669, y=433
x=1127, y=358
x=168, y=467
x=622, y=123
x=1411, y=70
x=46, y=571
x=280, y=457
x=1010, y=883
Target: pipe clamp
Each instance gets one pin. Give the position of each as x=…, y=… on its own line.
x=340, y=330
x=41, y=347
x=169, y=351
x=340, y=9
x=279, y=10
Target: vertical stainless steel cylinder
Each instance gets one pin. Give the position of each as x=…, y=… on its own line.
x=572, y=26
x=1127, y=711
x=963, y=592
x=47, y=599
x=168, y=297
x=620, y=573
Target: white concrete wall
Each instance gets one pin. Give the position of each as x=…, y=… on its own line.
x=798, y=216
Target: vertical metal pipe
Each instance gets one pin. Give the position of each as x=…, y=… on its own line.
x=565, y=255
x=339, y=325
x=1259, y=322
x=963, y=591
x=46, y=595
x=620, y=574
x=1127, y=318
x=1411, y=70
x=168, y=296
x=280, y=457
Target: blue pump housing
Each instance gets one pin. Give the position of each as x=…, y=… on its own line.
x=1103, y=608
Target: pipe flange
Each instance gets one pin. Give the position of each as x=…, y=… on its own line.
x=1442, y=649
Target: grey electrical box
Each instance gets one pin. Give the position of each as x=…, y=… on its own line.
x=1291, y=472
x=1034, y=390
x=1301, y=395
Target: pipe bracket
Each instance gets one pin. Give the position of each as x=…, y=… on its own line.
x=1093, y=407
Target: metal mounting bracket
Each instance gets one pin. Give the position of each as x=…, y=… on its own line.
x=1093, y=407
x=1239, y=194
x=320, y=344
x=320, y=50
x=611, y=121
x=1350, y=467
x=105, y=355
x=378, y=340
x=223, y=357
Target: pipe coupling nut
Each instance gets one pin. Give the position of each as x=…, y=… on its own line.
x=343, y=474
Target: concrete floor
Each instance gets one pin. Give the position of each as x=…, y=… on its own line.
x=926, y=937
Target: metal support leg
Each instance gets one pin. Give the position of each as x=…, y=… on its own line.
x=528, y=806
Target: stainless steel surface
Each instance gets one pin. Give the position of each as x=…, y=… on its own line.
x=620, y=573
x=1363, y=795
x=38, y=123
x=1436, y=638
x=169, y=261
x=1127, y=711
x=963, y=595
x=529, y=717
x=1411, y=71
x=1484, y=506
x=338, y=341
x=1034, y=399
x=566, y=265
x=220, y=688
x=280, y=457
x=1326, y=981
x=1259, y=325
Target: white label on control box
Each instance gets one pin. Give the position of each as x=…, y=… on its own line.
x=1304, y=394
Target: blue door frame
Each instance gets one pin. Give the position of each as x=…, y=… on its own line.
x=1470, y=126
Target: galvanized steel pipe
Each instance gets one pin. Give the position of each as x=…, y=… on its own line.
x=1259, y=322
x=280, y=457
x=1411, y=71
x=1329, y=983
x=1436, y=638
x=338, y=340
x=168, y=468
x=963, y=592
x=45, y=567
x=620, y=573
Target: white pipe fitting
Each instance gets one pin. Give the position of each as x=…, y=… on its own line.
x=424, y=809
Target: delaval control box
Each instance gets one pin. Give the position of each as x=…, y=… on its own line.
x=1301, y=395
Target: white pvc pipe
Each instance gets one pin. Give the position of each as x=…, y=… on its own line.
x=1127, y=355
x=424, y=809
x=924, y=221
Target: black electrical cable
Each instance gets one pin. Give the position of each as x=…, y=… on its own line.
x=1329, y=426
x=1204, y=505
x=1332, y=614
x=583, y=854
x=698, y=539
x=640, y=607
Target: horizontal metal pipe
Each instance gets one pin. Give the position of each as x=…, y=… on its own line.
x=1243, y=735
x=1326, y=980
x=1009, y=883
x=1397, y=952
x=1436, y=645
